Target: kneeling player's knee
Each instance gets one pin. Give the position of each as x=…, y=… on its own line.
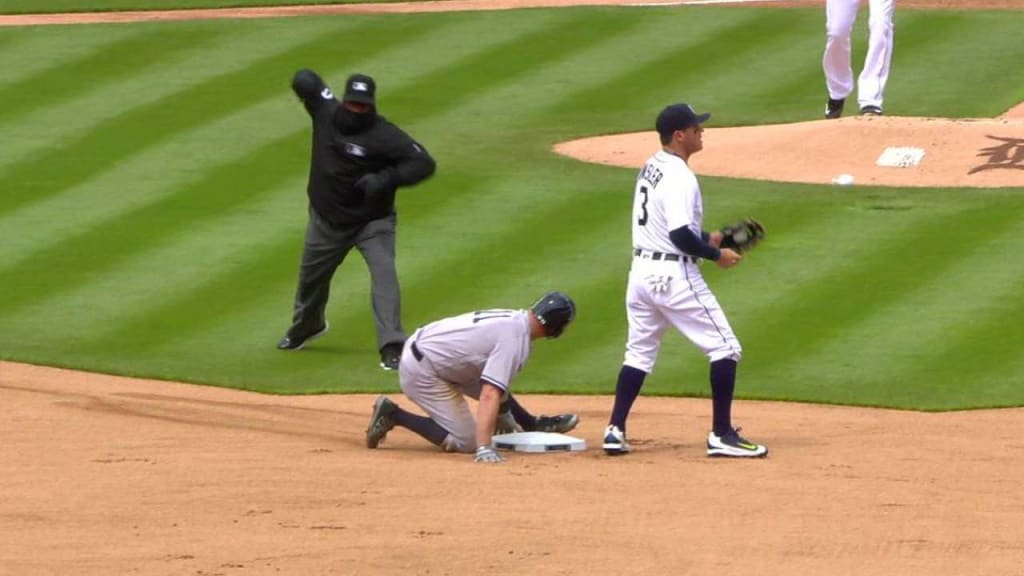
x=453, y=443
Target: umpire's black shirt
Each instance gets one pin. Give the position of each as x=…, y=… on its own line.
x=344, y=150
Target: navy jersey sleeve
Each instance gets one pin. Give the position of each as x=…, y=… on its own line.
x=310, y=88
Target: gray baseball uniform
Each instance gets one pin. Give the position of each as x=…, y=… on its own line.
x=445, y=361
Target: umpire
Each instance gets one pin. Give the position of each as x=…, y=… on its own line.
x=358, y=160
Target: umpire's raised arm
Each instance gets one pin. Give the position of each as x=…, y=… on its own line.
x=310, y=88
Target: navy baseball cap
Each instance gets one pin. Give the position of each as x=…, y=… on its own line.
x=678, y=117
x=360, y=88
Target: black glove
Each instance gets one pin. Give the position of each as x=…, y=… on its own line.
x=743, y=235
x=374, y=183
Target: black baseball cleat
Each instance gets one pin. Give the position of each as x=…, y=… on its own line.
x=296, y=343
x=391, y=356
x=561, y=423
x=834, y=108
x=381, y=422
x=871, y=111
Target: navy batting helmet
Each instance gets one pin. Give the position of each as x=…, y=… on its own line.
x=554, y=311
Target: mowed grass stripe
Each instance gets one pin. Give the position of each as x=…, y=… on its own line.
x=157, y=121
x=78, y=104
x=33, y=51
x=777, y=43
x=831, y=311
x=116, y=60
x=679, y=66
x=88, y=106
x=941, y=37
x=898, y=343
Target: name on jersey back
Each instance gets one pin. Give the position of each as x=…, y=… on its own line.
x=651, y=174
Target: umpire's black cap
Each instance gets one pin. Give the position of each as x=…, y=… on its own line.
x=554, y=311
x=360, y=88
x=678, y=117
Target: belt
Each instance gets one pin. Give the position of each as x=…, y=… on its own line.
x=415, y=352
x=663, y=256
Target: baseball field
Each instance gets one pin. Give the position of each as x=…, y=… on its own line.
x=152, y=207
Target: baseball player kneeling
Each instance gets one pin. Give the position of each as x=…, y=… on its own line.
x=476, y=354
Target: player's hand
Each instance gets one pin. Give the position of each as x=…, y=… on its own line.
x=487, y=454
x=715, y=238
x=373, y=183
x=729, y=258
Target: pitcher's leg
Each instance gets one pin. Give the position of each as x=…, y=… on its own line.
x=871, y=86
x=839, y=18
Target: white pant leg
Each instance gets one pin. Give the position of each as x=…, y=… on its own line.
x=646, y=326
x=441, y=400
x=871, y=86
x=839, y=18
x=695, y=312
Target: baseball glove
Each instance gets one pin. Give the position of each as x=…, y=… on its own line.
x=743, y=235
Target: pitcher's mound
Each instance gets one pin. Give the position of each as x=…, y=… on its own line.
x=981, y=153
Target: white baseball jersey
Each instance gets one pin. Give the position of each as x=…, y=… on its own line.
x=666, y=288
x=840, y=16
x=445, y=361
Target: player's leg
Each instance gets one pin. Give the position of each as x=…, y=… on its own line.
x=529, y=423
x=839, y=18
x=871, y=86
x=696, y=313
x=376, y=242
x=436, y=397
x=444, y=403
x=646, y=327
x=323, y=251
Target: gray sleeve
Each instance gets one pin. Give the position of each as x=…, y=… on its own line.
x=502, y=364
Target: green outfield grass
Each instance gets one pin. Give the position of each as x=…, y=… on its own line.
x=46, y=6
x=153, y=205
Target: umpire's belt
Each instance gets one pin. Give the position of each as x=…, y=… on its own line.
x=416, y=352
x=662, y=256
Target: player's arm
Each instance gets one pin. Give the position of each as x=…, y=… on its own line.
x=410, y=162
x=486, y=418
x=310, y=88
x=702, y=247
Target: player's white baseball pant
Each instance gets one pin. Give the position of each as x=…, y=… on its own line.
x=444, y=402
x=840, y=16
x=661, y=295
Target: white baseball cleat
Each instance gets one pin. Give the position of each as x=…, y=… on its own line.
x=615, y=441
x=733, y=445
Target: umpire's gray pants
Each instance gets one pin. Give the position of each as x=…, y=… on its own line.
x=325, y=249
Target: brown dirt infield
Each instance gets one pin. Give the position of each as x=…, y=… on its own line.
x=107, y=475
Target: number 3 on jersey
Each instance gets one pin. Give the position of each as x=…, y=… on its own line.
x=642, y=220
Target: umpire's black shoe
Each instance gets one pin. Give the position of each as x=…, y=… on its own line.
x=871, y=111
x=296, y=343
x=834, y=108
x=391, y=355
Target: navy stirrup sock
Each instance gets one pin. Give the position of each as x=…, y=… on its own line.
x=626, y=390
x=421, y=425
x=723, y=384
x=523, y=418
